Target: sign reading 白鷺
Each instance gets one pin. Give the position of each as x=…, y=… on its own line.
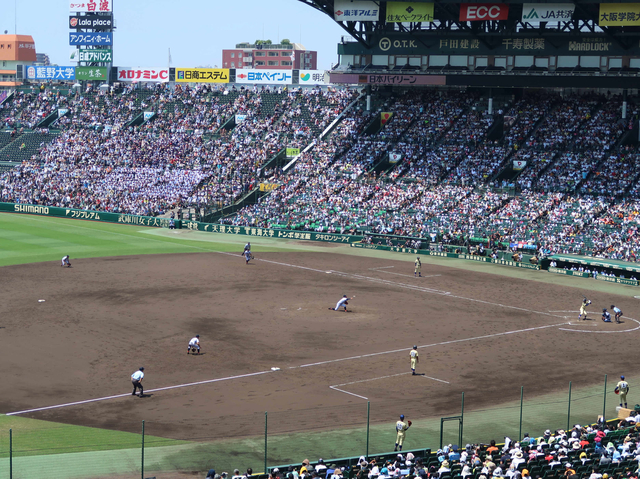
x=91, y=6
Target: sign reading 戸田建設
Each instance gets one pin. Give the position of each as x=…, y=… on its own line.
x=92, y=73
x=202, y=75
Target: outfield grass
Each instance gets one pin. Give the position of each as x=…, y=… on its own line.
x=46, y=449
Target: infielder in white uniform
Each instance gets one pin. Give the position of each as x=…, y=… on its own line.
x=66, y=262
x=194, y=344
x=343, y=303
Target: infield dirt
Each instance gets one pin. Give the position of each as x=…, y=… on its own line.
x=105, y=317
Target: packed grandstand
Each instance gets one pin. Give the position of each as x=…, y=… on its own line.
x=205, y=147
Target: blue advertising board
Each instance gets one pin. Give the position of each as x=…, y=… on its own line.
x=91, y=38
x=51, y=73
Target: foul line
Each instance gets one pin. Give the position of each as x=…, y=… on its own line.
x=381, y=267
x=409, y=276
x=347, y=392
x=124, y=395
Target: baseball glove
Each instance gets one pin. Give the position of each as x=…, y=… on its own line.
x=252, y=257
x=409, y=422
x=617, y=391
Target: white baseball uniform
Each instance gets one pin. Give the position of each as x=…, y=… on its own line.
x=341, y=303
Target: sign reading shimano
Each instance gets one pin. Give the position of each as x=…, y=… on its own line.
x=265, y=77
x=92, y=38
x=51, y=73
x=547, y=12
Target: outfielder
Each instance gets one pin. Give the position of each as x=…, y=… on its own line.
x=342, y=304
x=583, y=309
x=622, y=388
x=418, y=267
x=194, y=344
x=401, y=428
x=66, y=262
x=618, y=313
x=136, y=380
x=414, y=359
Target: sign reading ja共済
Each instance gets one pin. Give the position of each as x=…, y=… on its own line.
x=91, y=6
x=360, y=11
x=141, y=74
x=51, y=73
x=202, y=75
x=619, y=14
x=91, y=38
x=264, y=77
x=547, y=12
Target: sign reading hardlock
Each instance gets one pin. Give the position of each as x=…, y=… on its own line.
x=480, y=12
x=91, y=21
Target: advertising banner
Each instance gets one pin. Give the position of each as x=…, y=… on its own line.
x=268, y=186
x=91, y=21
x=265, y=77
x=619, y=14
x=400, y=12
x=51, y=73
x=479, y=12
x=91, y=6
x=387, y=79
x=92, y=73
x=385, y=116
x=360, y=11
x=519, y=164
x=95, y=56
x=135, y=74
x=147, y=115
x=547, y=12
x=202, y=75
x=62, y=112
x=394, y=157
x=311, y=77
x=292, y=152
x=240, y=118
x=91, y=38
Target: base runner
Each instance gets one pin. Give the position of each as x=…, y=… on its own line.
x=414, y=359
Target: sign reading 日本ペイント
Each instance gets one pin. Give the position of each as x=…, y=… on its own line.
x=264, y=77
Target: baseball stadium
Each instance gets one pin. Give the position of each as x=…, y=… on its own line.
x=420, y=263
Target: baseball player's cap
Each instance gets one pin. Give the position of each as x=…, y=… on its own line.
x=141, y=369
x=604, y=309
x=401, y=416
x=621, y=377
x=197, y=335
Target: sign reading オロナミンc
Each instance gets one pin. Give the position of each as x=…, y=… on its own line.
x=142, y=74
x=202, y=75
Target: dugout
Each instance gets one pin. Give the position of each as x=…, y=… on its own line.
x=625, y=272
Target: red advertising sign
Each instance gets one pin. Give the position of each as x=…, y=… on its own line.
x=480, y=12
x=143, y=74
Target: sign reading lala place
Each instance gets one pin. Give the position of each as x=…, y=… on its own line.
x=480, y=12
x=91, y=21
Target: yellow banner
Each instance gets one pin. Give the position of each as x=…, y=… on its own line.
x=291, y=152
x=409, y=12
x=202, y=75
x=619, y=14
x=268, y=186
x=385, y=116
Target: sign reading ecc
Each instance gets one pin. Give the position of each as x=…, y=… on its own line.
x=477, y=12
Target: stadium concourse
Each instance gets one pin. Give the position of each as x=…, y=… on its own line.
x=578, y=193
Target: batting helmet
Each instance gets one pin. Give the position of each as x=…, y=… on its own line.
x=415, y=347
x=604, y=310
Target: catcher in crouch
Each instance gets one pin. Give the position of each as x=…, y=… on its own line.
x=583, y=308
